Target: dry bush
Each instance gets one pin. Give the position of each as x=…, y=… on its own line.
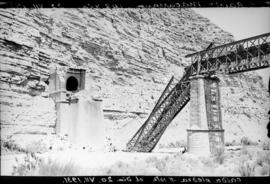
x=263, y=161
x=36, y=147
x=109, y=145
x=232, y=143
x=177, y=144
x=54, y=168
x=246, y=153
x=263, y=158
x=246, y=141
x=159, y=164
x=33, y=166
x=29, y=165
x=10, y=145
x=246, y=169
x=266, y=145
x=219, y=155
x=265, y=170
x=208, y=162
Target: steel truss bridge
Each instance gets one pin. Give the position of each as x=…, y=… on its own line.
x=240, y=56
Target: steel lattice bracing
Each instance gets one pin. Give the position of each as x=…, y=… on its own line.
x=244, y=55
x=240, y=56
x=172, y=100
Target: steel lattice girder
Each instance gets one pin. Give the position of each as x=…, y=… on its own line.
x=243, y=55
x=180, y=99
x=167, y=90
x=231, y=55
x=148, y=122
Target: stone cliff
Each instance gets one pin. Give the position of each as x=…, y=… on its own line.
x=129, y=56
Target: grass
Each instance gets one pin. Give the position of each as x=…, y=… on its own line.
x=36, y=147
x=219, y=155
x=254, y=163
x=246, y=168
x=29, y=164
x=232, y=143
x=54, y=168
x=266, y=145
x=33, y=166
x=245, y=152
x=177, y=144
x=11, y=146
x=263, y=161
x=208, y=162
x=265, y=170
x=33, y=147
x=246, y=141
x=263, y=158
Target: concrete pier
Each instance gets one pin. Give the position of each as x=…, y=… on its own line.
x=80, y=118
x=205, y=133
x=87, y=126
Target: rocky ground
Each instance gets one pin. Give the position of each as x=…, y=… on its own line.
x=241, y=160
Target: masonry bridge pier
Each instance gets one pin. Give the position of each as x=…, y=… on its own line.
x=205, y=133
x=200, y=86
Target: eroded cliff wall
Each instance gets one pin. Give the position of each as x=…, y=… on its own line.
x=129, y=56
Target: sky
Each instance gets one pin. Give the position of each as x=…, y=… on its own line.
x=241, y=23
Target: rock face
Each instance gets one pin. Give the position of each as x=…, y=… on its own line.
x=129, y=56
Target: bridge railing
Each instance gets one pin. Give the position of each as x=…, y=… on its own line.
x=229, y=57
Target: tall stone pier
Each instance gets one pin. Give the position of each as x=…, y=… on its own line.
x=205, y=133
x=78, y=117
x=86, y=124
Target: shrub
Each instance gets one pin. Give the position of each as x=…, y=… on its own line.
x=246, y=154
x=263, y=158
x=177, y=144
x=11, y=146
x=244, y=151
x=266, y=145
x=54, y=168
x=33, y=166
x=109, y=145
x=259, y=161
x=208, y=162
x=245, y=141
x=232, y=143
x=246, y=169
x=265, y=170
x=159, y=164
x=33, y=147
x=219, y=155
x=24, y=169
x=36, y=147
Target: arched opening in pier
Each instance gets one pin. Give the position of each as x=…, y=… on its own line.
x=72, y=84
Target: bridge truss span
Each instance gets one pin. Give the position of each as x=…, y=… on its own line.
x=240, y=56
x=172, y=100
